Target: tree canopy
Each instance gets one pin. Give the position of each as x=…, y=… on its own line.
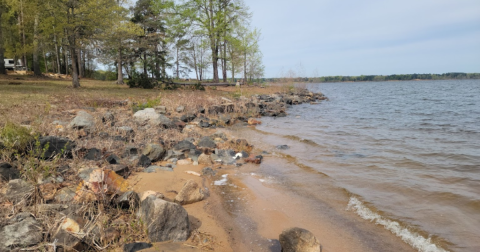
x=157, y=39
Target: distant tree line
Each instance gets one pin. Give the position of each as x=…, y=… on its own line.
x=157, y=39
x=393, y=77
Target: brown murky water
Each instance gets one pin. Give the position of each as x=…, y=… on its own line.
x=393, y=166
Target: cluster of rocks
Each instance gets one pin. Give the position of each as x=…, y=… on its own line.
x=75, y=188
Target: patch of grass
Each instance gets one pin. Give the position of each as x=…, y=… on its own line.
x=14, y=139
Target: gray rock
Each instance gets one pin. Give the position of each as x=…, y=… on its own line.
x=23, y=231
x=146, y=115
x=207, y=142
x=128, y=200
x=83, y=120
x=65, y=195
x=282, y=147
x=154, y=168
x=298, y=240
x=208, y=171
x=125, y=130
x=18, y=190
x=166, y=220
x=56, y=145
x=93, y=154
x=130, y=151
x=184, y=145
x=164, y=122
x=154, y=151
x=144, y=161
x=108, y=117
x=187, y=118
x=174, y=154
x=190, y=193
x=180, y=109
x=161, y=109
x=119, y=169
x=113, y=159
x=8, y=172
x=137, y=246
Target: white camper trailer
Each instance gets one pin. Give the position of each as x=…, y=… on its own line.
x=10, y=64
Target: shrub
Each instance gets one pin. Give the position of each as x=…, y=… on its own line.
x=141, y=81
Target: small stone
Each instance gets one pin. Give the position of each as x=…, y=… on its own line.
x=298, y=240
x=48, y=191
x=18, y=190
x=184, y=162
x=180, y=109
x=254, y=159
x=8, y=172
x=154, y=168
x=148, y=193
x=128, y=200
x=56, y=145
x=113, y=159
x=190, y=193
x=184, y=145
x=136, y=246
x=154, y=151
x=144, y=161
x=282, y=147
x=120, y=169
x=93, y=154
x=108, y=117
x=84, y=121
x=161, y=109
x=208, y=171
x=204, y=159
x=207, y=142
x=66, y=194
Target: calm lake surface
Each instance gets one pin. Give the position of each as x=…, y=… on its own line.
x=406, y=153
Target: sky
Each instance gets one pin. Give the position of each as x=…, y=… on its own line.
x=369, y=37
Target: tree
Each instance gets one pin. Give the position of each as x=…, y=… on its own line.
x=3, y=6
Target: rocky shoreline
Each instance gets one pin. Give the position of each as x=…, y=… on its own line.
x=70, y=188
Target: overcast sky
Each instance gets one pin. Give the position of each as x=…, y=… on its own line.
x=354, y=37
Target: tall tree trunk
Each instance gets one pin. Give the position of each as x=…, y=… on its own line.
x=119, y=67
x=145, y=63
x=65, y=59
x=80, y=64
x=45, y=59
x=57, y=51
x=224, y=60
x=36, y=63
x=2, y=49
x=177, y=63
x=195, y=62
x=245, y=67
x=73, y=54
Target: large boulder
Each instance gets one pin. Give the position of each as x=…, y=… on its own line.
x=154, y=151
x=298, y=240
x=8, y=172
x=56, y=145
x=18, y=190
x=166, y=220
x=190, y=193
x=22, y=231
x=83, y=120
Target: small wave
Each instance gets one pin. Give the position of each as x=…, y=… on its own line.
x=415, y=240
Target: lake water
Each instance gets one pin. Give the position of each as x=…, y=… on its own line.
x=406, y=153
